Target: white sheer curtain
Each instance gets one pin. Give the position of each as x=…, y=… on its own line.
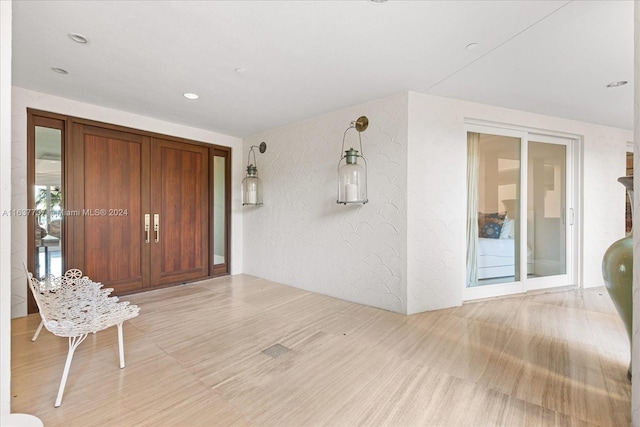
x=473, y=163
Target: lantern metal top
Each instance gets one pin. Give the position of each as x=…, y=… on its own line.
x=252, y=170
x=351, y=155
x=627, y=181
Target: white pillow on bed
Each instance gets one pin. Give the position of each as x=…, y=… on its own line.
x=507, y=229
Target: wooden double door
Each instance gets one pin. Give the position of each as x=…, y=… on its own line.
x=137, y=208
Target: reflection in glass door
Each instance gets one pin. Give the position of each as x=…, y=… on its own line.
x=221, y=211
x=547, y=215
x=48, y=201
x=494, y=215
x=519, y=214
x=219, y=246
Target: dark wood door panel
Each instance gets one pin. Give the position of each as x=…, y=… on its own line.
x=113, y=230
x=180, y=196
x=110, y=194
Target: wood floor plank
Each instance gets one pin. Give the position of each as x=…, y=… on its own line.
x=195, y=358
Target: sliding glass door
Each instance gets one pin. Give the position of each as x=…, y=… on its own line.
x=519, y=212
x=550, y=216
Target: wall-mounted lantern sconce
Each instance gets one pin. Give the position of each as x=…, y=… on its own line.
x=251, y=184
x=352, y=176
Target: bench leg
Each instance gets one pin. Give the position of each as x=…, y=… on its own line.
x=121, y=345
x=35, y=336
x=74, y=342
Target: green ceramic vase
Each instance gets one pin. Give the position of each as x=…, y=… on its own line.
x=617, y=271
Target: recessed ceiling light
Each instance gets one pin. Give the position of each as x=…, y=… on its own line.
x=190, y=95
x=78, y=38
x=59, y=70
x=378, y=1
x=241, y=70
x=618, y=83
x=471, y=46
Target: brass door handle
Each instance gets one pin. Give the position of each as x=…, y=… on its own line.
x=156, y=226
x=147, y=218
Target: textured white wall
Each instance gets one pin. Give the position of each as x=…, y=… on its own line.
x=437, y=170
x=22, y=99
x=301, y=237
x=436, y=243
x=604, y=197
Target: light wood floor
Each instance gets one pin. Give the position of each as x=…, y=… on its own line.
x=194, y=358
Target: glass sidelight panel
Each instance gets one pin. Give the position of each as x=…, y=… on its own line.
x=48, y=201
x=219, y=208
x=547, y=214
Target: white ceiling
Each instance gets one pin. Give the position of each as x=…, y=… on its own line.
x=307, y=58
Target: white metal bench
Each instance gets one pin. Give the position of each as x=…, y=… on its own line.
x=74, y=306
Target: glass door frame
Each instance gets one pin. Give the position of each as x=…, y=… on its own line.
x=572, y=215
x=53, y=121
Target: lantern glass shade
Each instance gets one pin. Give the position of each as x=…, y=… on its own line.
x=251, y=190
x=352, y=178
